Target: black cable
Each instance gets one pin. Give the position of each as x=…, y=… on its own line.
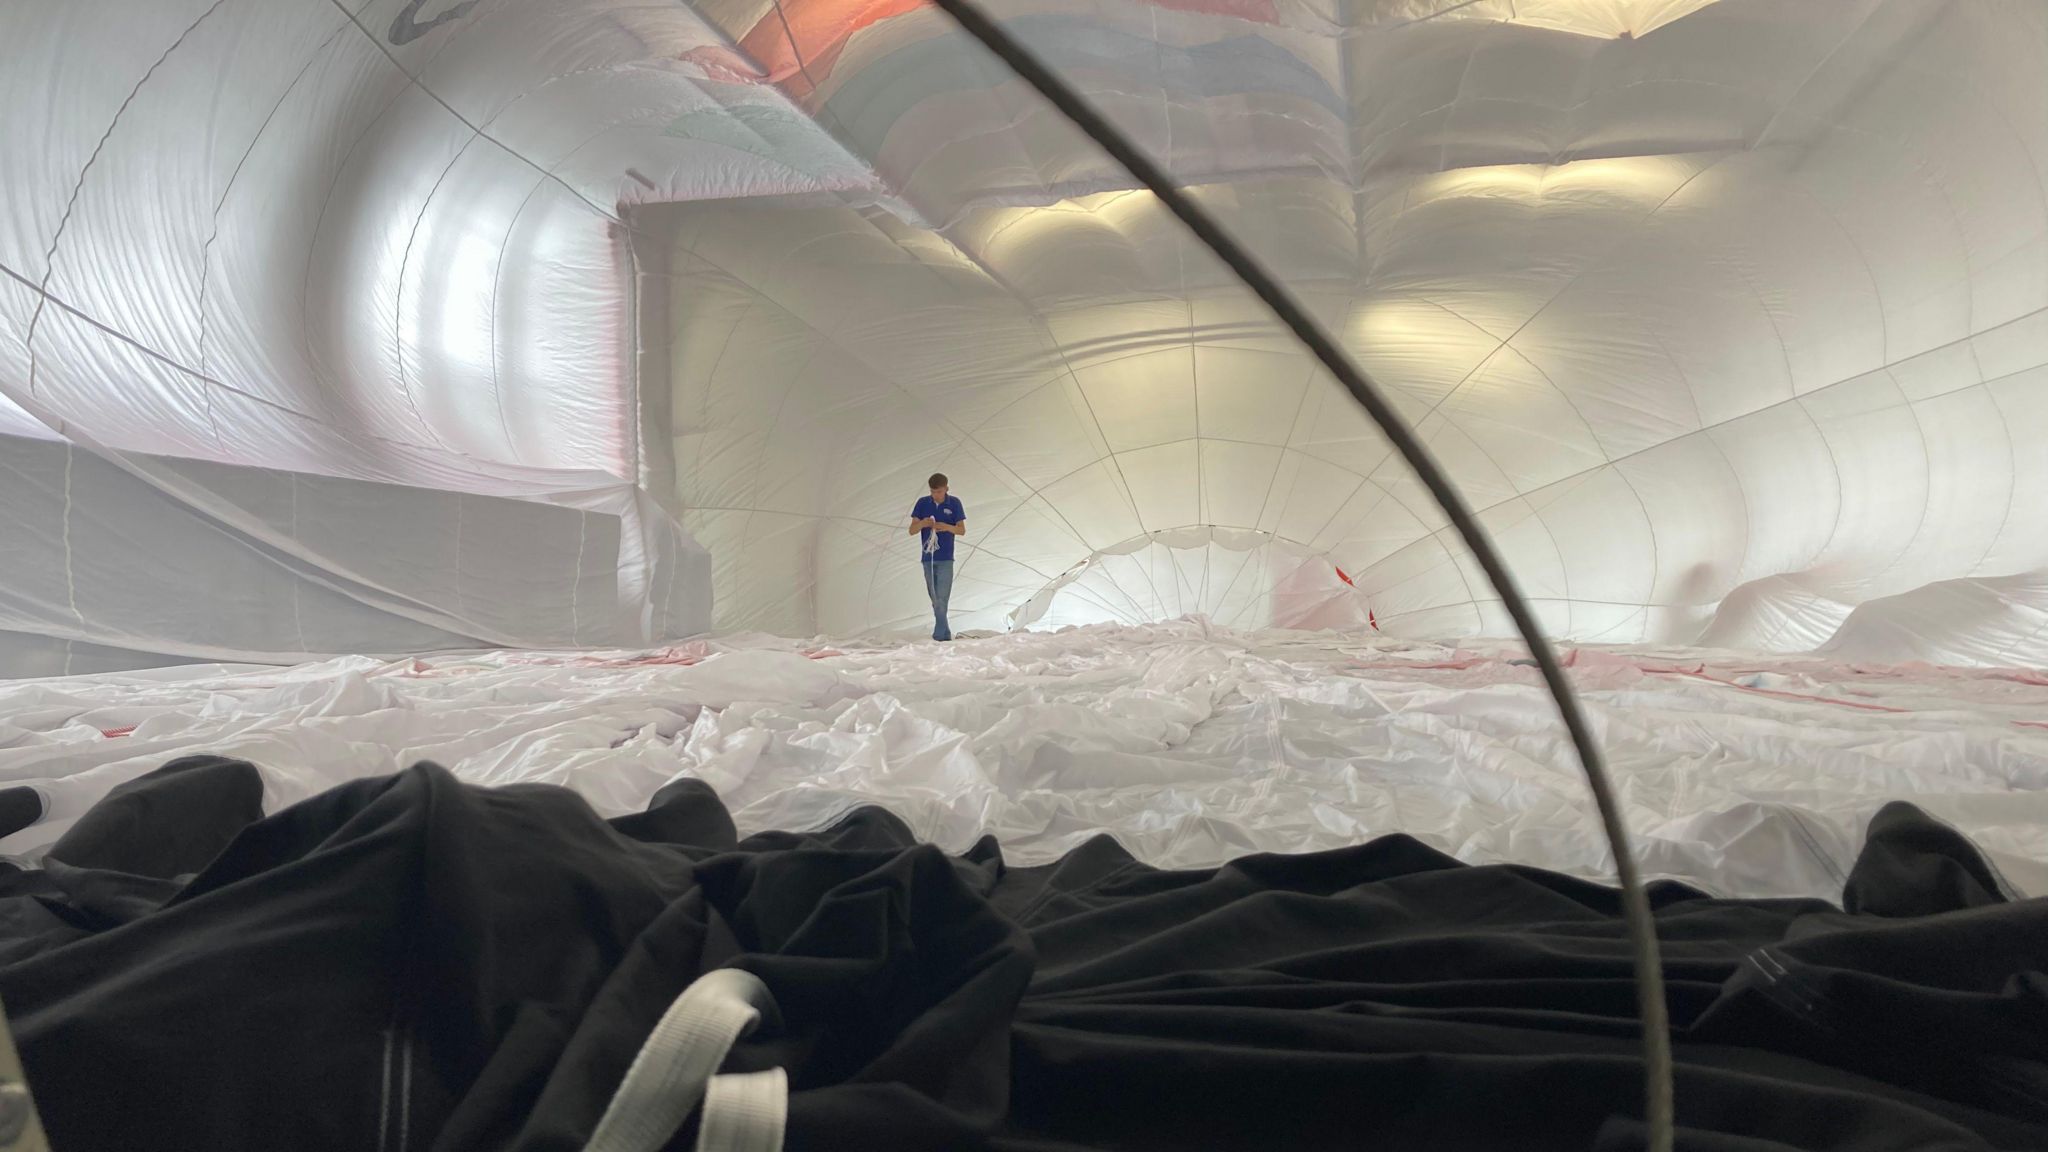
x=1635, y=902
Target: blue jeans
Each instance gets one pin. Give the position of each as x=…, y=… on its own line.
x=938, y=583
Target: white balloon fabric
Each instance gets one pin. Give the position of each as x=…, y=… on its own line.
x=401, y=325
x=1190, y=744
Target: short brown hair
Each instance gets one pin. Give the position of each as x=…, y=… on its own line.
x=938, y=480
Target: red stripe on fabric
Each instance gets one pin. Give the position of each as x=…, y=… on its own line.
x=798, y=46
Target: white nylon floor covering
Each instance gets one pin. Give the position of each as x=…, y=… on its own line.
x=1191, y=745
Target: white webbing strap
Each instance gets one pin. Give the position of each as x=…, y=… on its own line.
x=669, y=1075
x=745, y=1112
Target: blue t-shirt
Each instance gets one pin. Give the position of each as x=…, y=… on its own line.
x=947, y=511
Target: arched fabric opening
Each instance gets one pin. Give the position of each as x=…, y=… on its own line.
x=1238, y=578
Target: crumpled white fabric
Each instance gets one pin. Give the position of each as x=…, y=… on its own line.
x=1189, y=744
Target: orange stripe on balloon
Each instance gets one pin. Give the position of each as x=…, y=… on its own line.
x=797, y=47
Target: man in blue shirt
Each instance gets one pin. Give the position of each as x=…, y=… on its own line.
x=936, y=519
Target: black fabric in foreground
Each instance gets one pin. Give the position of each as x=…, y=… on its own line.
x=409, y=962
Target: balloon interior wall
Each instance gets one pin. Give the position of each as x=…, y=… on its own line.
x=539, y=389
x=397, y=327
x=385, y=331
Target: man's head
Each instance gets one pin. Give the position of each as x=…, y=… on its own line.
x=938, y=485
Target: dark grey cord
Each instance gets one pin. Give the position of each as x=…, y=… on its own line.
x=1635, y=902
